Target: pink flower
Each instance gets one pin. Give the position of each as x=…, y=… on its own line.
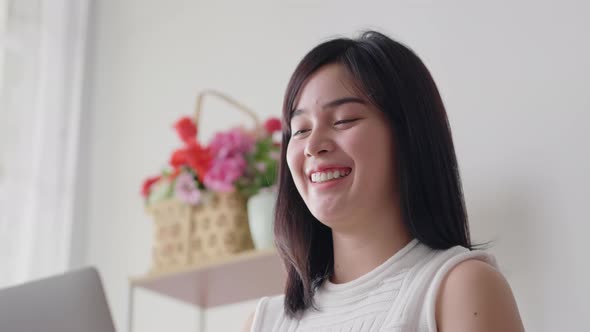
x=230, y=143
x=186, y=189
x=229, y=164
x=224, y=172
x=261, y=167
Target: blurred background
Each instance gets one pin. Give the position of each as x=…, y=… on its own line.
x=89, y=91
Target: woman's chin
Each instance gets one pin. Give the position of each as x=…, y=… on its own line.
x=328, y=217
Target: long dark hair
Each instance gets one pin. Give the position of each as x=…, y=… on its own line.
x=394, y=79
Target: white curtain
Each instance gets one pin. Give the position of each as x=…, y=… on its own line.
x=41, y=65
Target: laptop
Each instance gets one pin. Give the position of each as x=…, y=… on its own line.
x=71, y=302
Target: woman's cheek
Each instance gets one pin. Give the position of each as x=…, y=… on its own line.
x=293, y=160
x=353, y=142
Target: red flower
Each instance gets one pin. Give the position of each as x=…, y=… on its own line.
x=186, y=129
x=178, y=158
x=194, y=156
x=147, y=185
x=272, y=124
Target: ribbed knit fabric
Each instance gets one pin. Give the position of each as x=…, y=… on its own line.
x=399, y=295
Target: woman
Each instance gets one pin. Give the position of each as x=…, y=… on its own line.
x=370, y=218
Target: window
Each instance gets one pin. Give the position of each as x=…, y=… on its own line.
x=41, y=58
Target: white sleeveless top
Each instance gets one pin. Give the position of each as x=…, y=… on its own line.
x=399, y=295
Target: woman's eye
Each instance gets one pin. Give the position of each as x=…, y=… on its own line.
x=337, y=123
x=344, y=121
x=299, y=132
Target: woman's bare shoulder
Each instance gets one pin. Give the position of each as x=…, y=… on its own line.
x=475, y=296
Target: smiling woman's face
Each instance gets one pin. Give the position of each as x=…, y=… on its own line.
x=340, y=153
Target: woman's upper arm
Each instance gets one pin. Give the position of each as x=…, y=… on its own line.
x=475, y=297
x=248, y=323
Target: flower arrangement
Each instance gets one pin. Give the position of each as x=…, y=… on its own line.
x=235, y=160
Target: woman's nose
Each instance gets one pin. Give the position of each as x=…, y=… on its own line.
x=318, y=144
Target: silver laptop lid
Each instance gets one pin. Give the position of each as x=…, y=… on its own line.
x=71, y=302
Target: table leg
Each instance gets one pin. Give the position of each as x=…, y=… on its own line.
x=130, y=308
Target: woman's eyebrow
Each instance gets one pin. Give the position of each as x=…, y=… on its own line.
x=332, y=104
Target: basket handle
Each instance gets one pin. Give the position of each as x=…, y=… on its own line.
x=227, y=99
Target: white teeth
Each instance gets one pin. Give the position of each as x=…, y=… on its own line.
x=326, y=176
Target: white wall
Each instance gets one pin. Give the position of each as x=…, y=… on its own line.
x=514, y=78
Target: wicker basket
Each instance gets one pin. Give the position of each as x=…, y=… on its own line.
x=185, y=234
